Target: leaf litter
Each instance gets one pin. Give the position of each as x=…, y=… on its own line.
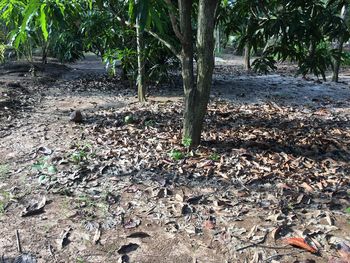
x=264, y=172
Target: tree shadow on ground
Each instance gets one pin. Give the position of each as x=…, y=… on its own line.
x=310, y=138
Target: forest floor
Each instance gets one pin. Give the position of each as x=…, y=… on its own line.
x=273, y=168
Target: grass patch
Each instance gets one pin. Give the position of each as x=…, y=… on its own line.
x=4, y=170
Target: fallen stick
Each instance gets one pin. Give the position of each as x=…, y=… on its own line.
x=19, y=247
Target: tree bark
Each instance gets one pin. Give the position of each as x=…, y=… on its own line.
x=197, y=97
x=247, y=48
x=339, y=47
x=141, y=88
x=44, y=53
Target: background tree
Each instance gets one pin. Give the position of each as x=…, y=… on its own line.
x=146, y=36
x=341, y=7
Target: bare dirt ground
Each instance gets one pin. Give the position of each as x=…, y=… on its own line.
x=120, y=186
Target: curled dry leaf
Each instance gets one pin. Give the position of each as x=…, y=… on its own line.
x=128, y=248
x=44, y=150
x=97, y=236
x=300, y=243
x=307, y=187
x=138, y=235
x=64, y=238
x=34, y=209
x=209, y=224
x=132, y=223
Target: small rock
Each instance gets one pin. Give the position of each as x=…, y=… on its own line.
x=76, y=116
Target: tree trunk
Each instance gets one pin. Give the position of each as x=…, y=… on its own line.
x=247, y=65
x=44, y=51
x=186, y=58
x=197, y=97
x=44, y=54
x=339, y=47
x=141, y=88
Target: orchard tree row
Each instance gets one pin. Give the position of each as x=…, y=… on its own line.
x=147, y=38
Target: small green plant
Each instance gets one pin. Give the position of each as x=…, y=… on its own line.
x=214, y=157
x=80, y=260
x=150, y=123
x=44, y=166
x=347, y=210
x=5, y=197
x=176, y=155
x=79, y=156
x=128, y=119
x=83, y=151
x=4, y=170
x=2, y=208
x=186, y=141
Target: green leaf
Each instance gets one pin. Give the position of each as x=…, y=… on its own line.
x=30, y=11
x=143, y=13
x=43, y=22
x=52, y=169
x=42, y=179
x=39, y=165
x=176, y=155
x=131, y=11
x=154, y=16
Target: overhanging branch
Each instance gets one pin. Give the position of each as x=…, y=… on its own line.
x=164, y=42
x=174, y=22
x=155, y=35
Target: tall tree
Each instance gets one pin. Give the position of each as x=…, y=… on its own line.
x=339, y=44
x=196, y=88
x=141, y=88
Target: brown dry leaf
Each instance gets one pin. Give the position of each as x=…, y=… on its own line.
x=34, y=209
x=300, y=243
x=344, y=252
x=209, y=224
x=132, y=223
x=64, y=238
x=138, y=235
x=307, y=187
x=275, y=233
x=97, y=236
x=125, y=249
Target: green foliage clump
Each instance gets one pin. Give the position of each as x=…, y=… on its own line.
x=186, y=141
x=300, y=31
x=346, y=59
x=43, y=165
x=176, y=155
x=214, y=157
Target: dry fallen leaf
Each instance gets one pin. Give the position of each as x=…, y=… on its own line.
x=307, y=187
x=34, y=209
x=344, y=252
x=209, y=224
x=125, y=249
x=138, y=235
x=97, y=236
x=64, y=238
x=300, y=243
